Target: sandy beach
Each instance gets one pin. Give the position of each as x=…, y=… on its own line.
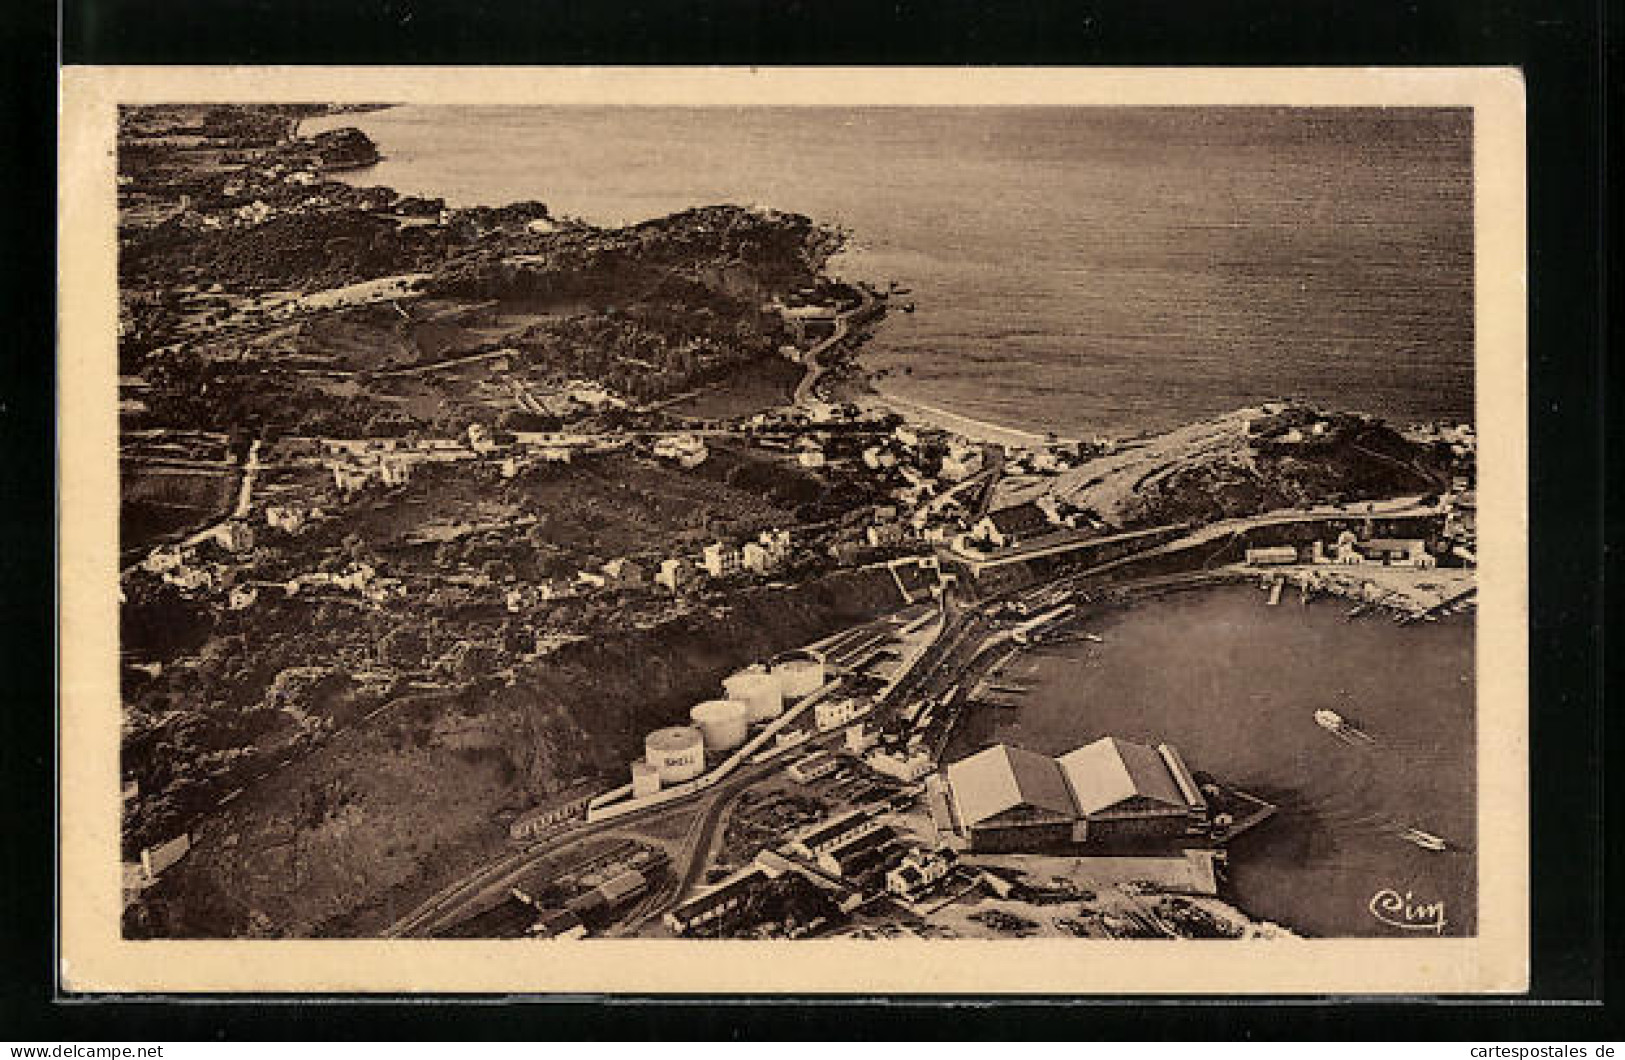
x=964, y=426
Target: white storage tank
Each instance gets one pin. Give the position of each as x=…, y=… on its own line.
x=800, y=675
x=645, y=779
x=758, y=690
x=724, y=723
x=677, y=753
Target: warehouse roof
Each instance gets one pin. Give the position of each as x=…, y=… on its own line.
x=822, y=832
x=1003, y=778
x=1110, y=771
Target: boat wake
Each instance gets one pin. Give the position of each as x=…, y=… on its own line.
x=1342, y=729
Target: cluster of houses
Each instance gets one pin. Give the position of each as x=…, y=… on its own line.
x=720, y=559
x=359, y=578
x=1348, y=550
x=685, y=450
x=362, y=462
x=180, y=566
x=768, y=552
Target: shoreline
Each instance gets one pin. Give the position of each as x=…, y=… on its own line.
x=967, y=427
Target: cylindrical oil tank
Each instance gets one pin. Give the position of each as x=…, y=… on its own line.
x=677, y=753
x=724, y=723
x=645, y=779
x=800, y=675
x=758, y=690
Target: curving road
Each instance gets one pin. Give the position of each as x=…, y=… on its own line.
x=843, y=325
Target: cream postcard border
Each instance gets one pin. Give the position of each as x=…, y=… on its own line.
x=93, y=956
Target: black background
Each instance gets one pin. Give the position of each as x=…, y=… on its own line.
x=1564, y=49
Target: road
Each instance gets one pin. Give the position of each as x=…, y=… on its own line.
x=1078, y=541
x=1396, y=508
x=843, y=325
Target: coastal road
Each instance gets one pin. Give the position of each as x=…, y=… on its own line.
x=1395, y=508
x=843, y=325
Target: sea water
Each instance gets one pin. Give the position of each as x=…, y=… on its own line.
x=1084, y=270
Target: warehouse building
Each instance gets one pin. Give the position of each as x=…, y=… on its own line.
x=857, y=853
x=827, y=835
x=1109, y=795
x=693, y=915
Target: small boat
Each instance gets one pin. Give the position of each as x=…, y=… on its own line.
x=1341, y=728
x=1425, y=840
x=908, y=307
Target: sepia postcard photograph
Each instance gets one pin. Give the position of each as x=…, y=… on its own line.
x=872, y=531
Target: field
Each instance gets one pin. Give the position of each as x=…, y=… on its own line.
x=763, y=385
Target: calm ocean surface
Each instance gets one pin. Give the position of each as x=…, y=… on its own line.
x=1084, y=270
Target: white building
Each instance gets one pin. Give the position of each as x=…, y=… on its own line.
x=721, y=559
x=162, y=559
x=753, y=557
x=555, y=589
x=834, y=713
x=623, y=572
x=242, y=597
x=394, y=470
x=235, y=536
x=811, y=766
x=961, y=462
x=876, y=458
x=286, y=518
x=836, y=831
x=859, y=738
x=884, y=535
x=154, y=860
x=777, y=544
x=919, y=872
x=190, y=579
x=1392, y=552
x=675, y=574
x=349, y=477
x=907, y=766
x=688, y=451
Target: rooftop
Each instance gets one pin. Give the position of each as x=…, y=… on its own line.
x=1019, y=518
x=1003, y=778
x=1110, y=771
x=827, y=830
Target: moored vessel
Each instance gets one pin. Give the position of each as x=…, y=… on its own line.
x=1425, y=840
